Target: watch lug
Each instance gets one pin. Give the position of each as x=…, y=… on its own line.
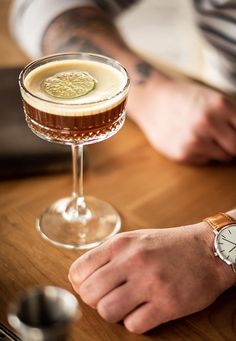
x=215, y=232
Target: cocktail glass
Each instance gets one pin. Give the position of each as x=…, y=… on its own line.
x=77, y=221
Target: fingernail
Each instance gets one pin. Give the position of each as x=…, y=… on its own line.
x=74, y=277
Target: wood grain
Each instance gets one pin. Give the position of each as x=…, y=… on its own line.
x=147, y=189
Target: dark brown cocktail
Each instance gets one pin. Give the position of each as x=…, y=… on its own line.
x=84, y=119
x=75, y=128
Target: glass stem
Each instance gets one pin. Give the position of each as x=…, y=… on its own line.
x=77, y=189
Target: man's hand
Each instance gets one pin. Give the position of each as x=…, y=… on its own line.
x=185, y=121
x=148, y=277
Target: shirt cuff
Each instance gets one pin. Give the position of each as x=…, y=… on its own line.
x=30, y=19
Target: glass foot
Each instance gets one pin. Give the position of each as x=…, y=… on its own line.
x=99, y=222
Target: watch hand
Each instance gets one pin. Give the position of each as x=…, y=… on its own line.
x=232, y=248
x=228, y=241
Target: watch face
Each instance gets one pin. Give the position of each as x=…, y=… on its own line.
x=225, y=244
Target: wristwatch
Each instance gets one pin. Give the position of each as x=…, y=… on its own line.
x=224, y=228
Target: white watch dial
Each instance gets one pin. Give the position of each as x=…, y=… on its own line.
x=225, y=243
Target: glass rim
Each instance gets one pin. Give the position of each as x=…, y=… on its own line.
x=51, y=56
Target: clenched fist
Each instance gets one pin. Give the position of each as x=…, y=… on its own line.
x=151, y=276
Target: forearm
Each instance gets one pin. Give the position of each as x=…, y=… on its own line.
x=88, y=29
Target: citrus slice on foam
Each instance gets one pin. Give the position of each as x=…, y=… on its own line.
x=68, y=84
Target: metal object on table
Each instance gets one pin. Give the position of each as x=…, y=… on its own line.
x=44, y=314
x=7, y=335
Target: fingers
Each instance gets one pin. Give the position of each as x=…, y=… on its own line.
x=202, y=149
x=119, y=302
x=222, y=124
x=215, y=152
x=88, y=263
x=100, y=283
x=144, y=318
x=225, y=135
x=230, y=109
x=195, y=159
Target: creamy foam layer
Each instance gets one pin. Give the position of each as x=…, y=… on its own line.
x=110, y=82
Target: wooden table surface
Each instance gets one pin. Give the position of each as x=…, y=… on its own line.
x=148, y=191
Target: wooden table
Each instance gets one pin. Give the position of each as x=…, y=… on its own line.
x=147, y=190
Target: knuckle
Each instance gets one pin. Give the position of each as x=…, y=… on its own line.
x=74, y=275
x=219, y=102
x=202, y=121
x=120, y=241
x=192, y=144
x=84, y=289
x=141, y=255
x=230, y=146
x=106, y=310
x=139, y=258
x=180, y=156
x=88, y=257
x=133, y=327
x=85, y=292
x=183, y=158
x=189, y=147
x=90, y=301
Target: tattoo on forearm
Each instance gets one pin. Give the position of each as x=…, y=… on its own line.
x=78, y=44
x=79, y=30
x=144, y=71
x=88, y=29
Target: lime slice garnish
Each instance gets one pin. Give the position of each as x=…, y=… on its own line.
x=68, y=84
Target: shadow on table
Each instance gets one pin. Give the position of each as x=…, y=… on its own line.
x=21, y=152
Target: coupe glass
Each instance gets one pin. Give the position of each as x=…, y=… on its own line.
x=77, y=221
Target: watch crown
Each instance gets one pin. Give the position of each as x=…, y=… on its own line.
x=215, y=253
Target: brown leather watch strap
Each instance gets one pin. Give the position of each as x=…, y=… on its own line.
x=219, y=220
